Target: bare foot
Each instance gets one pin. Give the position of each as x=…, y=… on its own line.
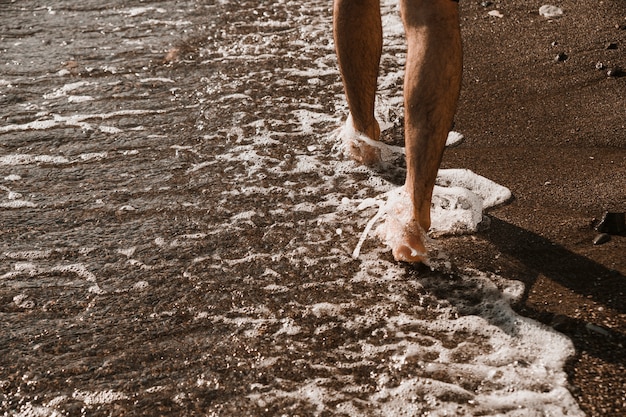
x=363, y=153
x=361, y=146
x=400, y=230
x=409, y=248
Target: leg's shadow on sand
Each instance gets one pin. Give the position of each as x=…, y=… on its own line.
x=539, y=257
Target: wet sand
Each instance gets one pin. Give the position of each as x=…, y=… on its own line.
x=109, y=247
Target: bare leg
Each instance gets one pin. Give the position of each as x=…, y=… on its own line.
x=431, y=89
x=358, y=41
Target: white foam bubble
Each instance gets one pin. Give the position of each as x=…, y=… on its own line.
x=79, y=99
x=34, y=125
x=99, y=397
x=140, y=285
x=194, y=236
x=110, y=129
x=491, y=193
x=167, y=22
x=78, y=120
x=62, y=91
x=128, y=252
x=326, y=309
x=288, y=328
x=25, y=159
x=15, y=200
x=156, y=80
x=78, y=269
x=29, y=254
x=308, y=119
x=137, y=11
x=244, y=215
x=306, y=164
x=22, y=301
x=92, y=156
x=455, y=210
x=550, y=11
x=25, y=266
x=17, y=204
x=392, y=24
x=31, y=410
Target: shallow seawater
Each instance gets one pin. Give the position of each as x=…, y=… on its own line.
x=177, y=234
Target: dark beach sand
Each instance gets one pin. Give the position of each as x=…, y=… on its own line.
x=555, y=133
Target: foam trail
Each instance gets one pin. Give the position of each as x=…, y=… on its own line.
x=73, y=120
x=368, y=227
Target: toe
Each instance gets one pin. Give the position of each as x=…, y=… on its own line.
x=409, y=253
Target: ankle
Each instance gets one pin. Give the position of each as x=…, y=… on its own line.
x=370, y=129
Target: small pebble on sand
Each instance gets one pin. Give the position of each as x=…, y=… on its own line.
x=601, y=239
x=615, y=72
x=560, y=57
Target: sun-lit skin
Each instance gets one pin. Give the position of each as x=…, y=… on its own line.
x=431, y=90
